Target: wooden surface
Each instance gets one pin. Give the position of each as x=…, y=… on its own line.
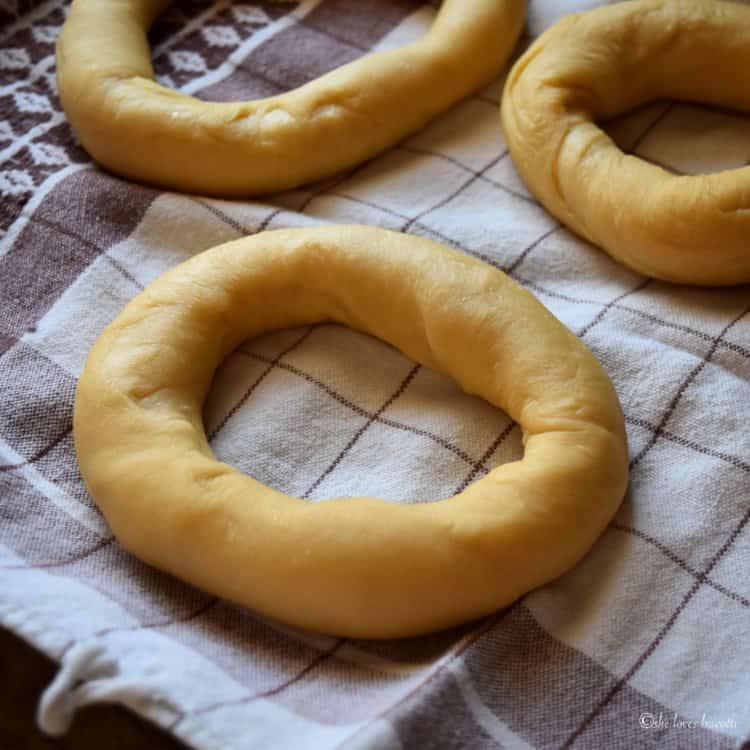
x=24, y=673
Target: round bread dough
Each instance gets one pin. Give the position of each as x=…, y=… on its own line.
x=595, y=65
x=146, y=132
x=359, y=567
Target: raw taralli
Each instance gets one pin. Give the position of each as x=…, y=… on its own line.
x=146, y=132
x=595, y=65
x=360, y=567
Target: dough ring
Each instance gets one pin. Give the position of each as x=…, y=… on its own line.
x=141, y=130
x=595, y=65
x=359, y=567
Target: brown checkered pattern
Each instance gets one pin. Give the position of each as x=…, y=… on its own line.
x=645, y=634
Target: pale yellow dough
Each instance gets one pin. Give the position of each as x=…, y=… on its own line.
x=360, y=567
x=147, y=132
x=595, y=65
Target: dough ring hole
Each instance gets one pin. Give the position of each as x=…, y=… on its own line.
x=684, y=138
x=294, y=56
x=359, y=418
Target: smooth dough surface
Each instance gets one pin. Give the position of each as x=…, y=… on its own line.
x=360, y=567
x=144, y=131
x=595, y=65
